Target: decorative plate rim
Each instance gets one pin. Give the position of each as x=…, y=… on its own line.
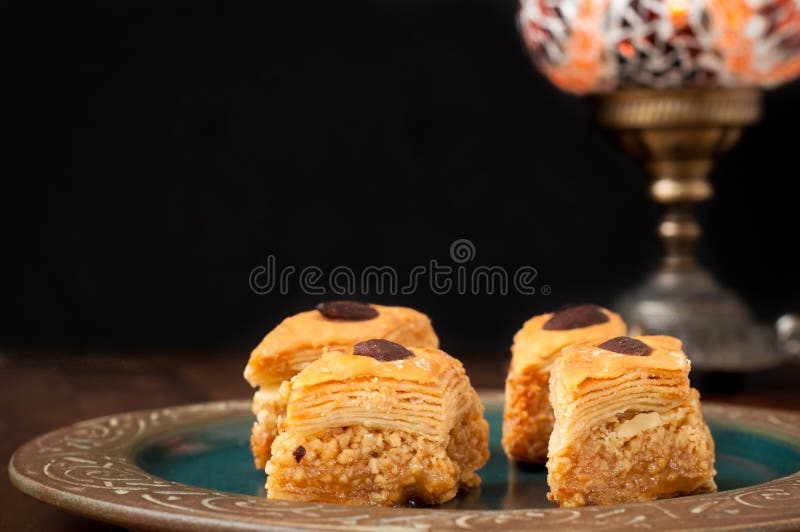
x=87, y=468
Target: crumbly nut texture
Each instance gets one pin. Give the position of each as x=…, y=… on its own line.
x=265, y=429
x=360, y=465
x=268, y=406
x=604, y=467
x=528, y=416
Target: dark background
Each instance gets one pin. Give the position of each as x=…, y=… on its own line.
x=161, y=151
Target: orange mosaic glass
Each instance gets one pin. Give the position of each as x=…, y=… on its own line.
x=586, y=46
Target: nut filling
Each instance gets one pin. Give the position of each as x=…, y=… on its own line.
x=347, y=310
x=382, y=350
x=625, y=345
x=575, y=318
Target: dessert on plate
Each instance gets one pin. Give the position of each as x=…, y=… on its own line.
x=528, y=416
x=300, y=339
x=628, y=426
x=378, y=424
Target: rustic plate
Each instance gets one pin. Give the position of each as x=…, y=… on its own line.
x=189, y=467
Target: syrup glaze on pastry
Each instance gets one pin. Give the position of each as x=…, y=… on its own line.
x=377, y=429
x=300, y=339
x=628, y=426
x=528, y=416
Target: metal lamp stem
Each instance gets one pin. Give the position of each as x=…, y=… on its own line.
x=678, y=134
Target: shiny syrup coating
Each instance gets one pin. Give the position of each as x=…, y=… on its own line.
x=382, y=350
x=625, y=345
x=347, y=310
x=575, y=318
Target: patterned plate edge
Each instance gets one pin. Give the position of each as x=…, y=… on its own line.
x=87, y=468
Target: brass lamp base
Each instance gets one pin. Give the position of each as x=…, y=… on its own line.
x=677, y=133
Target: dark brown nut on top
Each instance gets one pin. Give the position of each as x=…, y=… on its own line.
x=382, y=350
x=347, y=310
x=575, y=318
x=625, y=345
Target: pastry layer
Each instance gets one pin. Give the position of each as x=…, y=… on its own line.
x=587, y=361
x=299, y=340
x=627, y=428
x=536, y=346
x=528, y=416
x=423, y=394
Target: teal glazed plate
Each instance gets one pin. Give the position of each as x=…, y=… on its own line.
x=189, y=467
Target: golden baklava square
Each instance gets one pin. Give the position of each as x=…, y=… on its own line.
x=379, y=424
x=300, y=339
x=628, y=425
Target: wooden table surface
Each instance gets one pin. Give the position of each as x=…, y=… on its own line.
x=44, y=391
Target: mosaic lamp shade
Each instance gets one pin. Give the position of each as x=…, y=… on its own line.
x=677, y=81
x=599, y=46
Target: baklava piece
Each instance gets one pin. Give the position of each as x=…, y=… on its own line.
x=628, y=426
x=299, y=340
x=379, y=424
x=528, y=416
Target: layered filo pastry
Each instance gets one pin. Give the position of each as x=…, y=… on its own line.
x=628, y=426
x=379, y=424
x=528, y=416
x=300, y=340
